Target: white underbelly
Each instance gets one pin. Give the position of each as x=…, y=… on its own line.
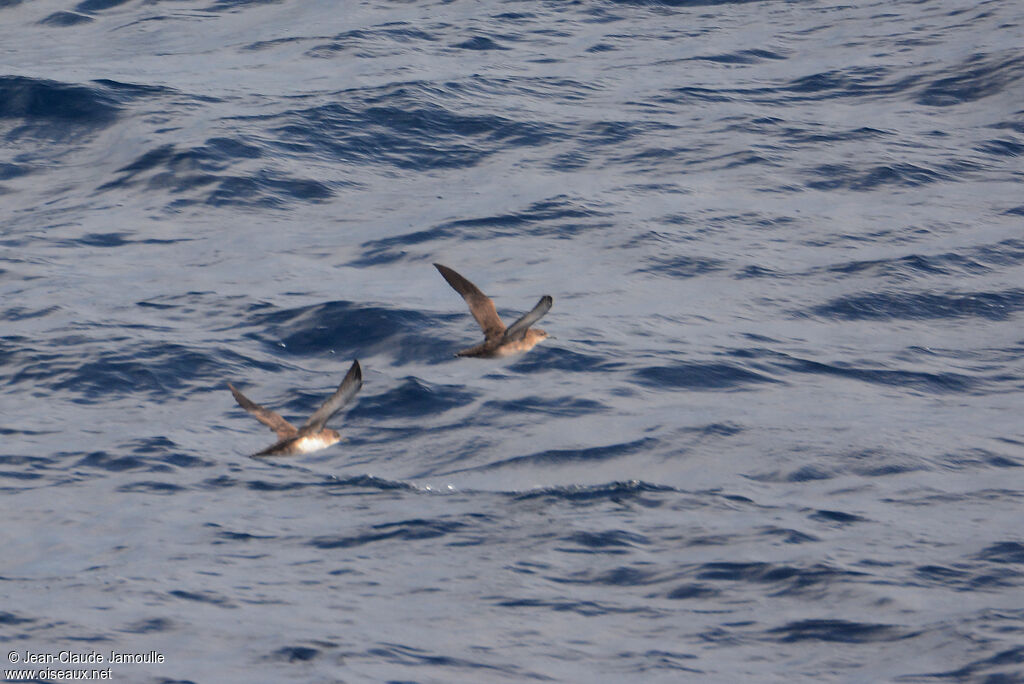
x=313, y=443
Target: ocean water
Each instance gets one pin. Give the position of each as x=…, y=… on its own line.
x=776, y=435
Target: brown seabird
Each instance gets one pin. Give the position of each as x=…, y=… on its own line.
x=312, y=436
x=498, y=340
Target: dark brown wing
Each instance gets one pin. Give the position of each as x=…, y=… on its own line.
x=480, y=305
x=346, y=390
x=519, y=328
x=282, y=427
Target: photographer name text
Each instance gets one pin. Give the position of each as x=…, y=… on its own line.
x=87, y=658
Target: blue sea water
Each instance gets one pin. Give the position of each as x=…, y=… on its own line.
x=777, y=433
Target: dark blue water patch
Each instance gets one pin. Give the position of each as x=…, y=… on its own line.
x=931, y=383
x=413, y=398
x=150, y=487
x=890, y=305
x=264, y=189
x=569, y=161
x=940, y=574
x=547, y=357
x=127, y=93
x=838, y=517
x=807, y=473
x=966, y=577
x=53, y=109
x=1001, y=148
x=887, y=469
x=19, y=313
x=843, y=176
x=995, y=581
x=787, y=536
x=401, y=127
x=979, y=76
x=9, y=171
x=203, y=173
x=681, y=266
x=294, y=654
x=799, y=136
x=489, y=88
x=392, y=249
x=1003, y=552
x=557, y=406
x=351, y=331
x=568, y=214
x=164, y=450
x=699, y=376
x=115, y=240
x=479, y=43
x=357, y=485
x=149, y=626
x=856, y=81
x=840, y=631
x=228, y=536
x=408, y=530
x=747, y=56
x=237, y=5
x=633, y=491
x=19, y=475
x=692, y=590
x=606, y=542
x=658, y=659
x=1006, y=253
x=715, y=430
x=8, y=618
x=35, y=463
x=984, y=670
x=102, y=460
x=787, y=580
x=612, y=132
x=583, y=608
x=622, y=576
x=969, y=458
x=209, y=597
x=162, y=371
x=275, y=42
x=65, y=19
x=559, y=216
x=657, y=158
x=408, y=655
x=688, y=95
x=371, y=42
x=565, y=456
x=214, y=155
x=913, y=265
x=99, y=5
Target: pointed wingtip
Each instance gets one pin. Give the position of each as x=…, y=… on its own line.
x=356, y=370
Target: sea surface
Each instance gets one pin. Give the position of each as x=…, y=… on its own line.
x=777, y=432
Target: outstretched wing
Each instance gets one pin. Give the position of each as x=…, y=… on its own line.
x=282, y=427
x=346, y=390
x=519, y=328
x=480, y=305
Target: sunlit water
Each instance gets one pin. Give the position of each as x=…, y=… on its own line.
x=776, y=435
